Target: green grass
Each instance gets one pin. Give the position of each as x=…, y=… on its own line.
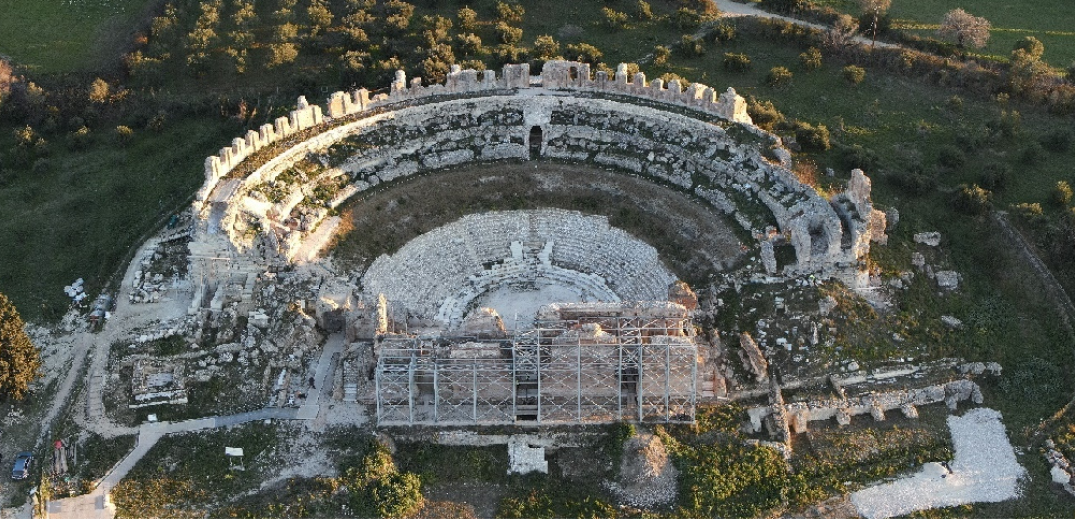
x=81, y=216
x=66, y=35
x=183, y=474
x=1047, y=20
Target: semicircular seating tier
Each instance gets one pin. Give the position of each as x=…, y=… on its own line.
x=273, y=191
x=440, y=273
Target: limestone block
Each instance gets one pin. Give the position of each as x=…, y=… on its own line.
x=931, y=238
x=768, y=257
x=843, y=417
x=954, y=323
x=947, y=279
x=909, y=411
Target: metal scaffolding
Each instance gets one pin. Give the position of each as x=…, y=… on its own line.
x=583, y=370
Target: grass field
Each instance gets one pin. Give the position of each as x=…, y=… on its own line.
x=66, y=35
x=81, y=215
x=1050, y=21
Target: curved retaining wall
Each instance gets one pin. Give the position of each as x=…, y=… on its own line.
x=712, y=149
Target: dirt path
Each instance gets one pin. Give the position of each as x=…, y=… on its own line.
x=1054, y=291
x=97, y=504
x=734, y=9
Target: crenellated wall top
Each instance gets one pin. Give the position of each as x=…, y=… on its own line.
x=557, y=75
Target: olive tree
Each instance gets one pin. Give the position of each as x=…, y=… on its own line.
x=965, y=29
x=20, y=360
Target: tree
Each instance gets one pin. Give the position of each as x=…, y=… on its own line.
x=508, y=35
x=584, y=52
x=965, y=28
x=643, y=11
x=874, y=10
x=7, y=77
x=20, y=360
x=661, y=55
x=545, y=47
x=468, y=19
x=615, y=20
x=779, y=77
x=510, y=13
x=841, y=32
x=99, y=91
x=853, y=74
x=1031, y=46
x=811, y=59
x=470, y=44
x=320, y=17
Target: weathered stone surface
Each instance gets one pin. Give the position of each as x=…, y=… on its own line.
x=947, y=279
x=752, y=357
x=931, y=238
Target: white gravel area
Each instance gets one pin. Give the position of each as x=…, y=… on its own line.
x=984, y=470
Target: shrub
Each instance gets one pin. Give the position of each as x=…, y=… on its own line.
x=584, y=52
x=398, y=495
x=853, y=74
x=812, y=138
x=736, y=62
x=124, y=135
x=995, y=176
x=951, y=157
x=615, y=20
x=778, y=77
x=668, y=77
x=973, y=200
x=1058, y=141
x=1032, y=153
x=1031, y=46
x=1007, y=124
x=955, y=103
x=1031, y=211
x=858, y=156
x=687, y=19
x=41, y=165
x=511, y=13
x=643, y=11
x=99, y=91
x=79, y=139
x=690, y=47
x=722, y=33
x=468, y=19
x=545, y=47
x=785, y=6
x=764, y=114
x=661, y=54
x=914, y=180
x=507, y=34
x=1062, y=193
x=811, y=59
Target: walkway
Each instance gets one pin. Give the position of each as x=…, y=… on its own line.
x=97, y=504
x=734, y=9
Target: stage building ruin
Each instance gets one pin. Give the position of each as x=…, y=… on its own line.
x=580, y=363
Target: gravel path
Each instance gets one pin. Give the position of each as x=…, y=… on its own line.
x=984, y=470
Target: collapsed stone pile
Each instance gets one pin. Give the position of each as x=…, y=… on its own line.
x=647, y=476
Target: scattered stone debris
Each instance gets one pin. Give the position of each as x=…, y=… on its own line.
x=752, y=357
x=947, y=279
x=647, y=476
x=952, y=322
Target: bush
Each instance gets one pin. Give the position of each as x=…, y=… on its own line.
x=668, y=77
x=785, y=6
x=687, y=19
x=914, y=180
x=1032, y=153
x=722, y=33
x=812, y=138
x=973, y=200
x=661, y=54
x=123, y=135
x=156, y=123
x=398, y=495
x=1062, y=193
x=736, y=62
x=41, y=165
x=811, y=59
x=584, y=52
x=690, y=47
x=995, y=176
x=79, y=139
x=853, y=74
x=951, y=157
x=778, y=77
x=1030, y=211
x=858, y=156
x=643, y=11
x=764, y=114
x=1058, y=141
x=615, y=20
x=507, y=34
